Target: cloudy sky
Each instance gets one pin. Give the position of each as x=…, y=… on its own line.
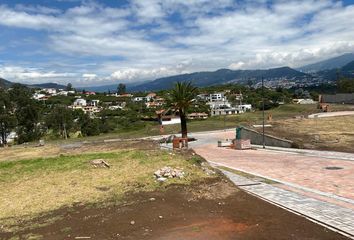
x=103, y=42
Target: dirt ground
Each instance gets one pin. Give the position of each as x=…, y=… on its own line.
x=332, y=133
x=212, y=209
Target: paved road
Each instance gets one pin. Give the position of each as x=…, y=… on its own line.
x=322, y=179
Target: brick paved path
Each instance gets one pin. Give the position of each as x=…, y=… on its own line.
x=305, y=185
x=332, y=216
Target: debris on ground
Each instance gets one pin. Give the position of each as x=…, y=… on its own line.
x=168, y=172
x=100, y=163
x=207, y=169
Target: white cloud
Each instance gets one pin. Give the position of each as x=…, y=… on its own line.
x=31, y=74
x=206, y=34
x=130, y=74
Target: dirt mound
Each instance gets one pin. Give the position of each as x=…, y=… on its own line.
x=207, y=210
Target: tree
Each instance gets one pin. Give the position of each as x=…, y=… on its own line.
x=69, y=87
x=61, y=120
x=27, y=113
x=345, y=85
x=121, y=89
x=7, y=118
x=181, y=98
x=89, y=127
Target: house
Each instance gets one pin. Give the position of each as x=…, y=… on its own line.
x=80, y=102
x=204, y=97
x=226, y=111
x=219, y=104
x=93, y=103
x=91, y=109
x=217, y=97
x=150, y=96
x=89, y=93
x=245, y=107
x=139, y=99
x=197, y=115
x=38, y=96
x=50, y=91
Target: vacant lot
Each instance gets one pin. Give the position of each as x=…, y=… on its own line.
x=58, y=194
x=332, y=133
x=32, y=186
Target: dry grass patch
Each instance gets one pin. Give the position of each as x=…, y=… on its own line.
x=336, y=133
x=26, y=152
x=34, y=186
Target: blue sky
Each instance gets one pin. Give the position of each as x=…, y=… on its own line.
x=103, y=42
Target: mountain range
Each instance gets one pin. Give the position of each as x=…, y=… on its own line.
x=6, y=84
x=332, y=63
x=327, y=70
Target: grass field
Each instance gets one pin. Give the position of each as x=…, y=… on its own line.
x=30, y=187
x=212, y=123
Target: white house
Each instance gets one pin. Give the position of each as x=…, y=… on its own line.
x=50, y=91
x=217, y=97
x=80, y=102
x=139, y=99
x=245, y=107
x=226, y=111
x=38, y=96
x=219, y=104
x=93, y=103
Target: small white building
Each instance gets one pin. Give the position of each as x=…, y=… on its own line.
x=245, y=107
x=139, y=99
x=226, y=111
x=219, y=104
x=51, y=91
x=38, y=96
x=170, y=120
x=93, y=103
x=217, y=97
x=80, y=102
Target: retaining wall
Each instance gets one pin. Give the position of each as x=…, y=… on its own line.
x=257, y=138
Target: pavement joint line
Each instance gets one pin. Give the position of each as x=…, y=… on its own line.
x=343, y=229
x=330, y=195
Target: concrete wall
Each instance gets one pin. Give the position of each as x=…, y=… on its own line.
x=257, y=138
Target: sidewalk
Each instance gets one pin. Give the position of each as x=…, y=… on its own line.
x=329, y=215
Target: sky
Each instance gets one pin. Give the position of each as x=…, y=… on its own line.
x=91, y=43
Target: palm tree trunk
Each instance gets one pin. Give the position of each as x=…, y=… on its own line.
x=183, y=125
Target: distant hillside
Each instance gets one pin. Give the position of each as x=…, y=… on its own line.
x=110, y=88
x=332, y=63
x=221, y=76
x=345, y=71
x=47, y=85
x=349, y=68
x=4, y=83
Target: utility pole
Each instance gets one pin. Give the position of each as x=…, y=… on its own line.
x=263, y=111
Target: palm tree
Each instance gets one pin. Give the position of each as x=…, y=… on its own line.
x=181, y=98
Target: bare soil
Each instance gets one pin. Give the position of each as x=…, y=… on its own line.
x=333, y=133
x=213, y=209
